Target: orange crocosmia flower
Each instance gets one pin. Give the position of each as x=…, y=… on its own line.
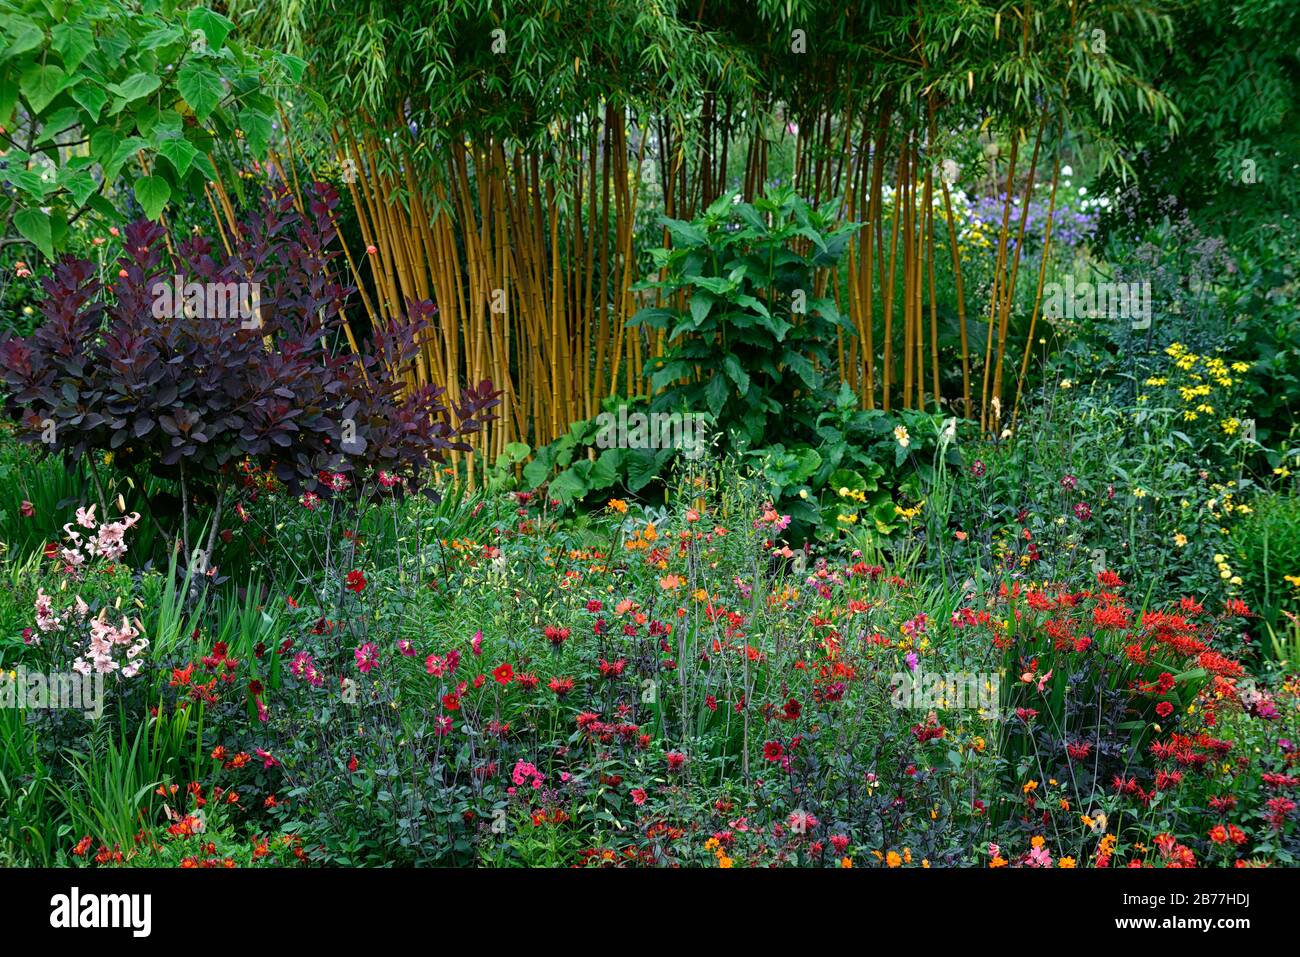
x=959, y=535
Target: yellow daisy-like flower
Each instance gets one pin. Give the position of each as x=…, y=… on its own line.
x=1180, y=539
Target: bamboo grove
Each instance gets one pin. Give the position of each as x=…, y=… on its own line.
x=527, y=215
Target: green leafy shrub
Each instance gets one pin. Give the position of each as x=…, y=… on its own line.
x=143, y=85
x=1266, y=548
x=748, y=331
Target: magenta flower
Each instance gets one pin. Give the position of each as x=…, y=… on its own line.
x=367, y=657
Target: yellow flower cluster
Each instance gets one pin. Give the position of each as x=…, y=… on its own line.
x=1225, y=570
x=909, y=513
x=1204, y=373
x=1225, y=505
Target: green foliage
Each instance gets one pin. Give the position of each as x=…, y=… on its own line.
x=1233, y=71
x=627, y=449
x=747, y=336
x=1266, y=550
x=859, y=466
x=510, y=70
x=94, y=89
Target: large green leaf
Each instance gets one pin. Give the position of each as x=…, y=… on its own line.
x=683, y=233
x=34, y=226
x=72, y=41
x=257, y=130
x=215, y=27
x=90, y=96
x=735, y=372
x=293, y=66
x=41, y=83
x=605, y=472
x=80, y=183
x=24, y=34
x=799, y=364
x=655, y=317
x=572, y=484
x=701, y=303
x=180, y=153
x=715, y=394
x=135, y=86
x=153, y=193
x=201, y=87
x=644, y=466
